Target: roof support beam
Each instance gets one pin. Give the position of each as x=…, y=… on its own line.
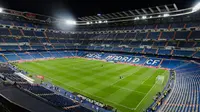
x=109, y=15
x=104, y=16
x=144, y=11
x=116, y=16
x=167, y=8
x=138, y=12
x=151, y=10
x=92, y=17
x=175, y=6
x=158, y=8
x=120, y=14
x=132, y=13
x=125, y=13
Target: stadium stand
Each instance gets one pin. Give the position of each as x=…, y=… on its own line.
x=162, y=44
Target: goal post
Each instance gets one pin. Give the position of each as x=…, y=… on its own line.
x=160, y=79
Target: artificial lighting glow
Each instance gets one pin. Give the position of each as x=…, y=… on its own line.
x=165, y=15
x=96, y=22
x=105, y=21
x=88, y=23
x=159, y=15
x=100, y=21
x=1, y=9
x=144, y=17
x=70, y=22
x=196, y=7
x=137, y=18
x=150, y=17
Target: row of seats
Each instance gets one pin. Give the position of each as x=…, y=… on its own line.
x=158, y=26
x=36, y=89
x=14, y=78
x=169, y=35
x=185, y=96
x=58, y=54
x=38, y=43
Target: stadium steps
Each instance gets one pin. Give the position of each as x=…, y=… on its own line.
x=172, y=51
x=18, y=44
x=17, y=55
x=5, y=57
x=166, y=44
x=47, y=39
x=194, y=44
x=41, y=43
x=178, y=44
x=30, y=55
x=194, y=53
x=173, y=38
x=34, y=33
x=147, y=36
x=9, y=31
x=189, y=35
x=169, y=27
x=160, y=35
x=41, y=54
x=3, y=40
x=160, y=63
x=143, y=50
x=185, y=25
x=156, y=51
x=22, y=32
x=156, y=27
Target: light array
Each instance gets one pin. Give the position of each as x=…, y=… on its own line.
x=97, y=22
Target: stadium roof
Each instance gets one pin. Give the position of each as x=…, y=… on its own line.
x=132, y=13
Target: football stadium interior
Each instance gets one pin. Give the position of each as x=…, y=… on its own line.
x=131, y=61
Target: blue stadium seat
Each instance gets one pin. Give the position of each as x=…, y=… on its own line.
x=182, y=53
x=28, y=33
x=141, y=35
x=167, y=35
x=154, y=35
x=16, y=32
x=182, y=34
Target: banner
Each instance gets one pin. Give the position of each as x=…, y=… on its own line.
x=40, y=77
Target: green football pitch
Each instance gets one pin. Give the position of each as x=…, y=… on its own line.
x=101, y=81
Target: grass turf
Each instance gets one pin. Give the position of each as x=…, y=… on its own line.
x=100, y=81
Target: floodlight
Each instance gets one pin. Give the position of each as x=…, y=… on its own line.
x=144, y=17
x=165, y=15
x=106, y=21
x=196, y=7
x=70, y=22
x=87, y=22
x=1, y=9
x=136, y=18
x=100, y=21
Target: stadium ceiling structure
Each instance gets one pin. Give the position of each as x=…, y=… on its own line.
x=139, y=14
x=162, y=11
x=132, y=13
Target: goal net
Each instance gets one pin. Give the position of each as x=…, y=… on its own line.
x=160, y=79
